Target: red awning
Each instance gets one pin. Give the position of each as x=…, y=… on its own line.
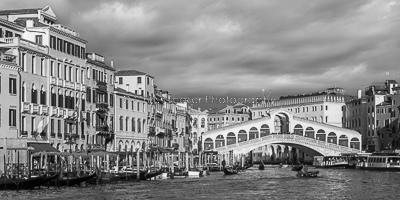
x=42, y=147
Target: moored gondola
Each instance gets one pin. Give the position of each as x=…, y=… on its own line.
x=20, y=184
x=261, y=167
x=230, y=171
x=71, y=181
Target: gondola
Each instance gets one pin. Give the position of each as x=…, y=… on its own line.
x=261, y=167
x=71, y=181
x=149, y=175
x=248, y=166
x=230, y=171
x=310, y=174
x=20, y=184
x=297, y=168
x=47, y=179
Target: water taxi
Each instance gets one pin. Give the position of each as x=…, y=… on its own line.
x=381, y=162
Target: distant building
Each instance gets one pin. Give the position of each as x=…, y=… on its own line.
x=375, y=116
x=230, y=114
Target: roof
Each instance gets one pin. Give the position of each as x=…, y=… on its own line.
x=130, y=72
x=100, y=64
x=194, y=111
x=391, y=81
x=384, y=104
x=20, y=11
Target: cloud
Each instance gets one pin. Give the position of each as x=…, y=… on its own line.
x=232, y=48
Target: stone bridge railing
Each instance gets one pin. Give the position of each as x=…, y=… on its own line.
x=322, y=147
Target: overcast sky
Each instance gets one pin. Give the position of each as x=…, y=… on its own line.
x=237, y=48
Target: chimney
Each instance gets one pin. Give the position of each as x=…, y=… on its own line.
x=112, y=63
x=358, y=94
x=29, y=23
x=127, y=87
x=199, y=109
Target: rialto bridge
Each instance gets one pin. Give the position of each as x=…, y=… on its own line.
x=285, y=136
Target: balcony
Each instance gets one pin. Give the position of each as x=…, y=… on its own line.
x=54, y=111
x=36, y=109
x=61, y=112
x=52, y=135
x=101, y=106
x=59, y=135
x=44, y=110
x=102, y=128
x=70, y=113
x=69, y=85
x=19, y=42
x=54, y=81
x=159, y=113
x=101, y=85
x=26, y=107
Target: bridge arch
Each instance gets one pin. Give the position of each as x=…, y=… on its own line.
x=253, y=133
x=281, y=122
x=298, y=129
x=208, y=144
x=332, y=138
x=219, y=141
x=264, y=130
x=321, y=135
x=309, y=132
x=344, y=140
x=242, y=136
x=230, y=138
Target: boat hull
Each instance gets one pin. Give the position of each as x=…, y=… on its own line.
x=230, y=172
x=339, y=166
x=385, y=169
x=20, y=184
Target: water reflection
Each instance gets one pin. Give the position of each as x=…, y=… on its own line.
x=272, y=183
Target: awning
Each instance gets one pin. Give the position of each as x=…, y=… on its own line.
x=42, y=147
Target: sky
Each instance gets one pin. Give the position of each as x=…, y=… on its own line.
x=215, y=49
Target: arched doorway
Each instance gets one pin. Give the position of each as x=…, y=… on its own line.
x=344, y=140
x=298, y=130
x=253, y=133
x=264, y=131
x=332, y=138
x=355, y=143
x=230, y=138
x=219, y=141
x=208, y=144
x=309, y=132
x=321, y=135
x=242, y=136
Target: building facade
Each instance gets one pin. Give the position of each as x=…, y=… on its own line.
x=227, y=116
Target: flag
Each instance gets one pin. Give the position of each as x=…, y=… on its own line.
x=42, y=126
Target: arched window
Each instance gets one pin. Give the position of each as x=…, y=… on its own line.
x=230, y=138
x=139, y=127
x=42, y=96
x=298, y=130
x=344, y=141
x=355, y=143
x=203, y=122
x=253, y=133
x=332, y=138
x=208, y=144
x=321, y=135
x=33, y=94
x=242, y=136
x=60, y=98
x=133, y=124
x=309, y=132
x=219, y=141
x=264, y=131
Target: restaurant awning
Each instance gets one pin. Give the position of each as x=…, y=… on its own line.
x=42, y=147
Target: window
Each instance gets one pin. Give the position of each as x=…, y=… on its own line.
x=120, y=102
x=12, y=85
x=127, y=104
x=42, y=69
x=126, y=122
x=111, y=100
x=148, y=81
x=133, y=124
x=23, y=61
x=120, y=80
x=52, y=68
x=13, y=117
x=88, y=94
x=326, y=107
x=138, y=105
x=121, y=123
x=139, y=79
x=133, y=105
x=39, y=39
x=33, y=65
x=9, y=34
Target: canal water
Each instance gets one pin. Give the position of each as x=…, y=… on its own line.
x=272, y=183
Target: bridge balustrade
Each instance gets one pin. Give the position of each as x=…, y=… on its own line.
x=291, y=138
